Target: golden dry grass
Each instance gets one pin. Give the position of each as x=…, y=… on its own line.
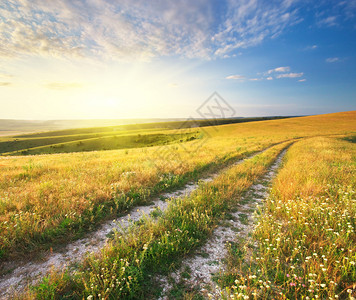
x=48, y=197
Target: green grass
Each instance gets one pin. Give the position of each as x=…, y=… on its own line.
x=12, y=144
x=124, y=269
x=26, y=232
x=46, y=200
x=102, y=143
x=111, y=137
x=306, y=230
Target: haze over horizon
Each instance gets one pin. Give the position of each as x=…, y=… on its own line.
x=99, y=59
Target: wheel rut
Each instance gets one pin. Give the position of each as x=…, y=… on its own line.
x=18, y=275
x=207, y=261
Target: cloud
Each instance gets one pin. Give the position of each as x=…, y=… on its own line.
x=328, y=21
x=313, y=47
x=5, y=83
x=236, y=77
x=62, y=85
x=279, y=69
x=269, y=75
x=290, y=75
x=139, y=29
x=332, y=59
x=302, y=80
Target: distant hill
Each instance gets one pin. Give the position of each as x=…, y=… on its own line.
x=38, y=137
x=13, y=127
x=10, y=127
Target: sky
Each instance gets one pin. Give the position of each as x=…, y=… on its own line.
x=115, y=59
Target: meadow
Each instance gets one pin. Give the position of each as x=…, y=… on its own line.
x=104, y=138
x=305, y=232
x=49, y=199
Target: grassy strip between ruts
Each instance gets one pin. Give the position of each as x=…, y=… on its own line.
x=126, y=267
x=306, y=230
x=27, y=233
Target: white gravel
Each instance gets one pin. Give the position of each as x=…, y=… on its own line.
x=202, y=268
x=22, y=273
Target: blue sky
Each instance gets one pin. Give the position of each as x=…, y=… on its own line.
x=139, y=59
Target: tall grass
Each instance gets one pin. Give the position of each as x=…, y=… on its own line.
x=48, y=199
x=306, y=230
x=125, y=268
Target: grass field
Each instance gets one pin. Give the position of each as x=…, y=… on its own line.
x=108, y=138
x=50, y=199
x=305, y=231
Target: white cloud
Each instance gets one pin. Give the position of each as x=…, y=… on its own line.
x=279, y=69
x=332, y=59
x=269, y=78
x=139, y=29
x=313, y=47
x=290, y=75
x=328, y=21
x=235, y=77
x=249, y=22
x=302, y=80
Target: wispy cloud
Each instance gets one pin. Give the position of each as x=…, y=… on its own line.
x=302, y=80
x=290, y=75
x=139, y=29
x=276, y=73
x=5, y=83
x=332, y=59
x=62, y=85
x=142, y=30
x=236, y=77
x=313, y=47
x=328, y=21
x=279, y=69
